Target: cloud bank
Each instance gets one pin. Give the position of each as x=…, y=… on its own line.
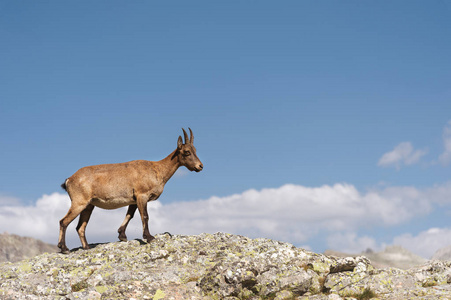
x=426, y=242
x=291, y=213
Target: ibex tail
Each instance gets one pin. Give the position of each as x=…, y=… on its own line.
x=64, y=185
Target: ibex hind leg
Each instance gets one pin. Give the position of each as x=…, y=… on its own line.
x=73, y=212
x=130, y=213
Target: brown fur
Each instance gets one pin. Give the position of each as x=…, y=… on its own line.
x=133, y=183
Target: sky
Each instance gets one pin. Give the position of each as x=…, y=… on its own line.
x=320, y=123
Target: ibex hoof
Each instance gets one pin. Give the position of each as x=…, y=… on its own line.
x=149, y=238
x=65, y=250
x=122, y=237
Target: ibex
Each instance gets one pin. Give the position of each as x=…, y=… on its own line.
x=133, y=183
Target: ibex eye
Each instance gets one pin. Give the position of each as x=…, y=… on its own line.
x=187, y=153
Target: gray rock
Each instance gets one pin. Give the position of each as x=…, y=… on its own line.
x=214, y=266
x=391, y=257
x=15, y=248
x=442, y=254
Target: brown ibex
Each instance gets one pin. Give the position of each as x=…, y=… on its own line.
x=132, y=183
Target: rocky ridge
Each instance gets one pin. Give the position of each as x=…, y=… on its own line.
x=442, y=254
x=15, y=248
x=214, y=266
x=392, y=256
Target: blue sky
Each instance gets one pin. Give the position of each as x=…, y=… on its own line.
x=324, y=98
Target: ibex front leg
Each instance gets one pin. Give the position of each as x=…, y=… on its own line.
x=142, y=207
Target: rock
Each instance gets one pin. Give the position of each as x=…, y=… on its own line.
x=214, y=266
x=393, y=256
x=442, y=254
x=349, y=264
x=15, y=248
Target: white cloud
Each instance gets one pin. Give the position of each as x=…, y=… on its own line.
x=402, y=154
x=290, y=213
x=395, y=205
x=41, y=220
x=349, y=242
x=294, y=213
x=7, y=200
x=440, y=193
x=38, y=220
x=445, y=157
x=426, y=242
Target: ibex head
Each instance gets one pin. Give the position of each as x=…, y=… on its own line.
x=187, y=153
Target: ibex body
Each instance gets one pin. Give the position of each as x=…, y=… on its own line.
x=132, y=183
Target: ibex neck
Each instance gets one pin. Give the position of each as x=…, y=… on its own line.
x=170, y=164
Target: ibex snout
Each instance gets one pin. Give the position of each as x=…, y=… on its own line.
x=199, y=168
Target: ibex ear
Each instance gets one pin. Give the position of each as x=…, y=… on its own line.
x=179, y=143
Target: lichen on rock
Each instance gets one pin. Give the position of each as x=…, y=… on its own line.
x=213, y=266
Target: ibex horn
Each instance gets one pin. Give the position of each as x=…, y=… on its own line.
x=186, y=136
x=191, y=139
